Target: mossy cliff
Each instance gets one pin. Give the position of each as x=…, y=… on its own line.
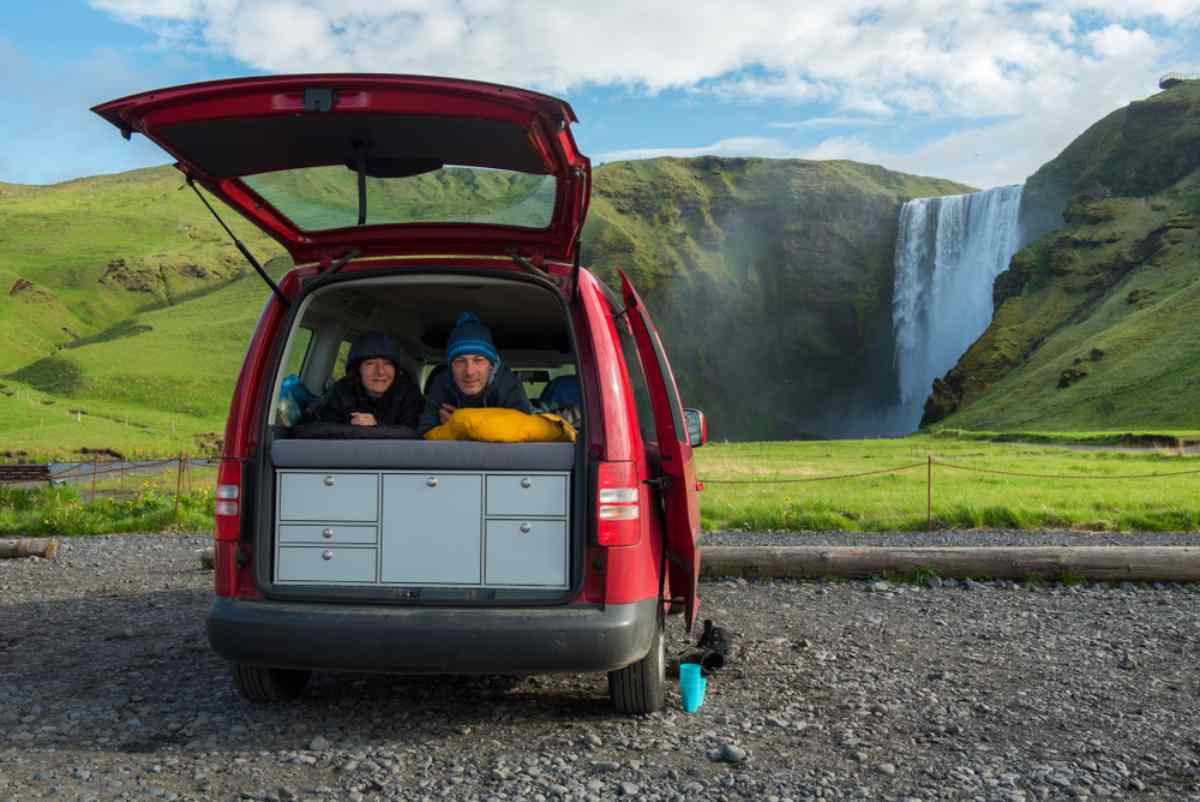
x=1095, y=320
x=770, y=282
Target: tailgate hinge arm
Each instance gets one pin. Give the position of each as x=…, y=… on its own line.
x=574, y=295
x=529, y=264
x=241, y=246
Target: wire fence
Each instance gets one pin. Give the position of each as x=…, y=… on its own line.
x=94, y=469
x=929, y=465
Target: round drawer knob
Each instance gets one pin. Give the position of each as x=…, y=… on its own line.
x=526, y=529
x=327, y=555
x=432, y=481
x=329, y=481
x=327, y=532
x=527, y=483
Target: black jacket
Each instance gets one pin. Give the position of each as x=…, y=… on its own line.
x=504, y=391
x=399, y=406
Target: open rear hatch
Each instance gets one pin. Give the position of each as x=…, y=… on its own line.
x=326, y=163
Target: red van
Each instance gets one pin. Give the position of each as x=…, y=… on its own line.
x=403, y=201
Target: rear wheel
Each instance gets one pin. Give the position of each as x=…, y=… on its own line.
x=262, y=684
x=642, y=687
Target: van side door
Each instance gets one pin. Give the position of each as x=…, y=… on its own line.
x=678, y=480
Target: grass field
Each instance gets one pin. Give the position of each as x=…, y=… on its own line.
x=745, y=486
x=751, y=487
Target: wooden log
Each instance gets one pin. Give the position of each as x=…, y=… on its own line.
x=29, y=547
x=1096, y=563
x=207, y=557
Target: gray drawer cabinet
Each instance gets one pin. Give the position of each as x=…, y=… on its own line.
x=437, y=528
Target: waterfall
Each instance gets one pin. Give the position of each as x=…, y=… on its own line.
x=949, y=251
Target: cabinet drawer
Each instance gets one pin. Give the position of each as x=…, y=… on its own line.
x=327, y=534
x=526, y=553
x=534, y=494
x=430, y=530
x=328, y=496
x=315, y=564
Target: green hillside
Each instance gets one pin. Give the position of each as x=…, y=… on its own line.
x=1095, y=322
x=80, y=257
x=127, y=311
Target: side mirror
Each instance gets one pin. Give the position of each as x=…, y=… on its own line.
x=697, y=426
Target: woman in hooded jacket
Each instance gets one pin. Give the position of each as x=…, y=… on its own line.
x=375, y=390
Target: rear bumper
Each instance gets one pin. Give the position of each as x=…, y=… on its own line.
x=430, y=640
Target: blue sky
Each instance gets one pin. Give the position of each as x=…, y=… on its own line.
x=977, y=91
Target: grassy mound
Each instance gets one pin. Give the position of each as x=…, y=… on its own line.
x=1093, y=328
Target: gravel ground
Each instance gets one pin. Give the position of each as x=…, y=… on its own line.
x=838, y=690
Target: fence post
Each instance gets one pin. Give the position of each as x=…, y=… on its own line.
x=929, y=495
x=178, y=484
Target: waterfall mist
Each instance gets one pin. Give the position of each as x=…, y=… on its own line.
x=949, y=251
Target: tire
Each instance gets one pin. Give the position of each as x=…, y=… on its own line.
x=642, y=687
x=261, y=684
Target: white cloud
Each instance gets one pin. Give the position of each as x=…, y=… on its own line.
x=829, y=122
x=859, y=49
x=734, y=146
x=846, y=147
x=1034, y=73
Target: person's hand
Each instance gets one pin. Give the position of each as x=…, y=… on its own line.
x=446, y=411
x=363, y=419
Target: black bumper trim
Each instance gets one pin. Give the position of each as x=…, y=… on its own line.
x=431, y=640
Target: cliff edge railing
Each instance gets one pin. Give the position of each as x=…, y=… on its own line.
x=1174, y=78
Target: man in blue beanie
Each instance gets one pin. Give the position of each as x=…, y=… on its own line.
x=477, y=377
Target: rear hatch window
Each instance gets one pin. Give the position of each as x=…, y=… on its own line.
x=320, y=198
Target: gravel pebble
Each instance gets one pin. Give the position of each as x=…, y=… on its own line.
x=838, y=690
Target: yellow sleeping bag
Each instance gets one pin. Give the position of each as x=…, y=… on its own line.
x=503, y=426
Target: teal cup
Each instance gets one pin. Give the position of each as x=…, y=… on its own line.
x=691, y=686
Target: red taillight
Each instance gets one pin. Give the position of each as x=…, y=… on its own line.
x=618, y=504
x=229, y=500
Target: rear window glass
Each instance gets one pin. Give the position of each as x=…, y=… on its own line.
x=317, y=198
x=299, y=351
x=343, y=356
x=637, y=380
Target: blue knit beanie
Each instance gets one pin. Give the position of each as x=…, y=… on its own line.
x=470, y=336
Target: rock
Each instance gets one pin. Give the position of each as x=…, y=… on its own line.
x=730, y=753
x=318, y=744
x=628, y=789
x=886, y=768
